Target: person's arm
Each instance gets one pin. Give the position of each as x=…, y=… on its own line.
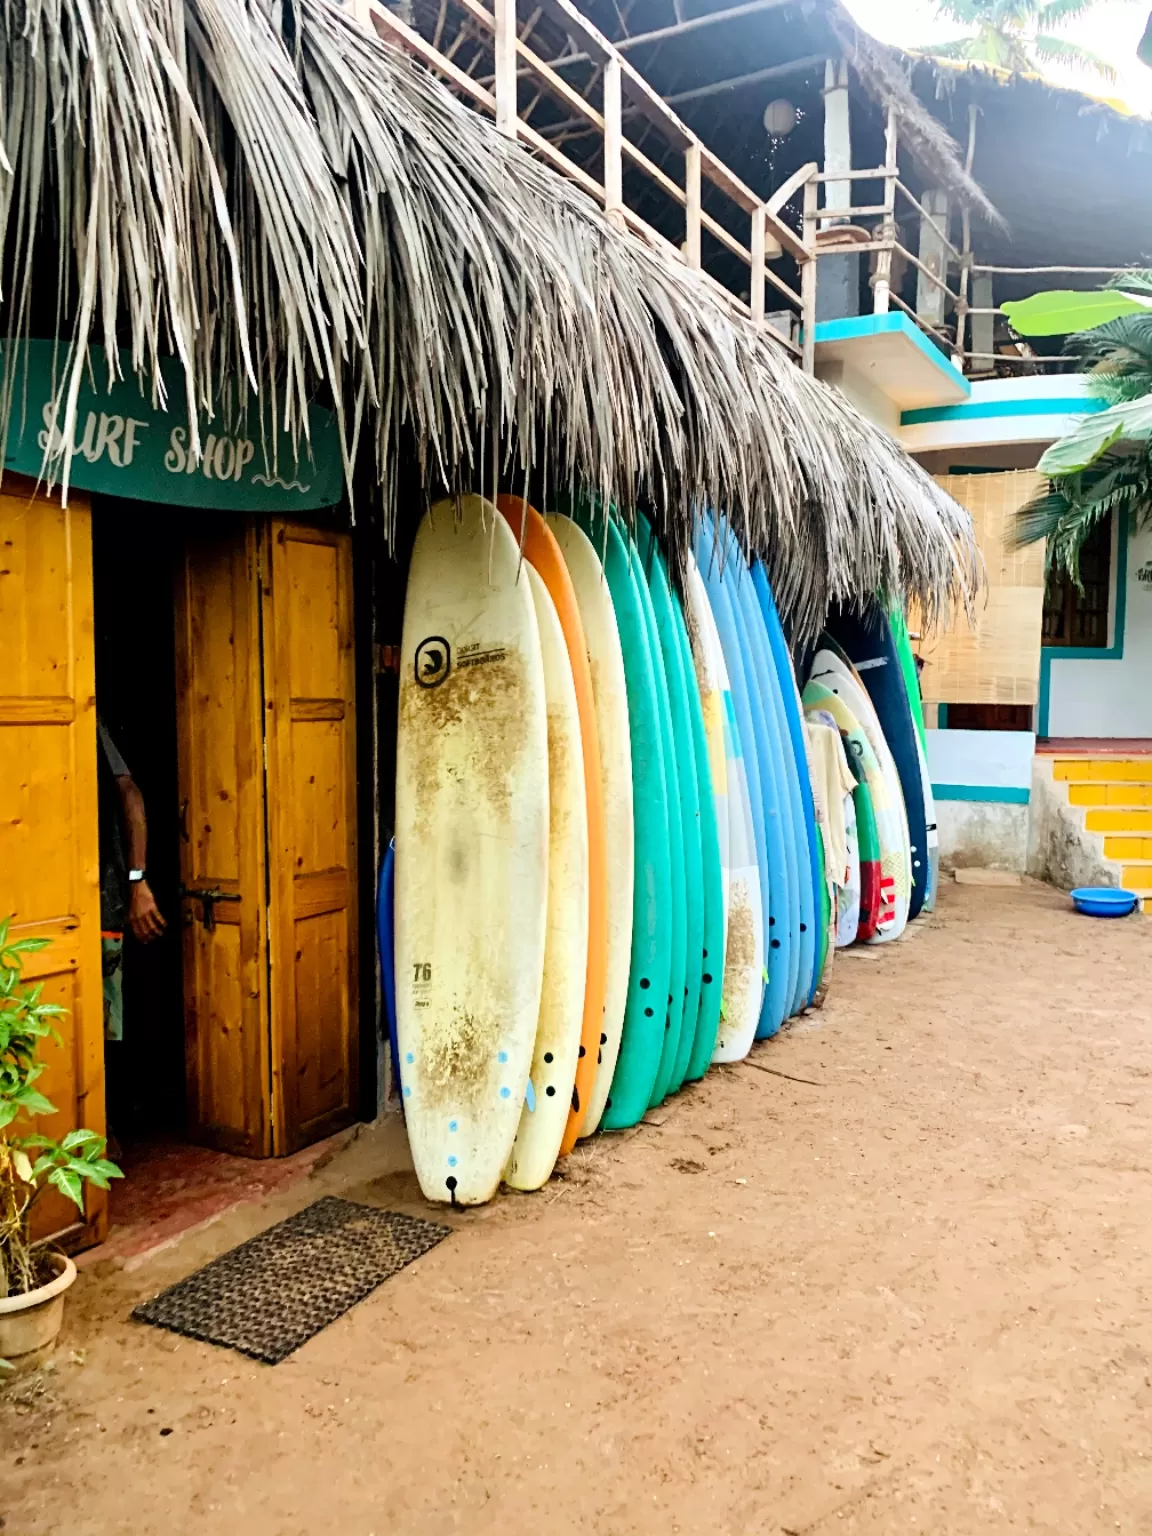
x=143, y=914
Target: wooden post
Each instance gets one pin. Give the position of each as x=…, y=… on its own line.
x=505, y=81
x=966, y=256
x=756, y=299
x=882, y=291
x=808, y=279
x=692, y=205
x=613, y=143
x=931, y=300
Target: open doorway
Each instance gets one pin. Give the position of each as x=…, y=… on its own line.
x=133, y=549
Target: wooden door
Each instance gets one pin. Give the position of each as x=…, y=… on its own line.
x=49, y=853
x=221, y=778
x=310, y=720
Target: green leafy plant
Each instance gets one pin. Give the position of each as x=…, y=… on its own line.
x=1104, y=464
x=1020, y=35
x=32, y=1163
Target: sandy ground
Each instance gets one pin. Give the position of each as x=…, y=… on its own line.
x=907, y=1292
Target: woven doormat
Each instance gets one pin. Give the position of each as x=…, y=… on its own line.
x=274, y=1292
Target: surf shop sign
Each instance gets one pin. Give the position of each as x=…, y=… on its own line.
x=123, y=445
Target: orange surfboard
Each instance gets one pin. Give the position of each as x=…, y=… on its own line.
x=544, y=554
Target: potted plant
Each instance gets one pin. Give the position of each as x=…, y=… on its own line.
x=33, y=1277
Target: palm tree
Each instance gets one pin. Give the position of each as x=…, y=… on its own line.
x=1105, y=464
x=1020, y=35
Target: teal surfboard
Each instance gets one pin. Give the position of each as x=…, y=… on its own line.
x=684, y=750
x=673, y=998
x=711, y=877
x=642, y=1042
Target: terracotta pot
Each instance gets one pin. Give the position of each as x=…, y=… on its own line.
x=30, y=1323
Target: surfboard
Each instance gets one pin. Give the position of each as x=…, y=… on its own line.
x=541, y=549
x=784, y=982
x=712, y=875
x=471, y=848
x=867, y=639
x=552, y=1077
x=852, y=688
x=848, y=908
x=744, y=928
x=912, y=685
x=712, y=691
x=727, y=609
x=826, y=949
x=684, y=1007
x=610, y=696
x=892, y=913
x=642, y=1038
x=385, y=902
x=868, y=845
x=793, y=714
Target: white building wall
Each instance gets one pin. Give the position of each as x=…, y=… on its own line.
x=982, y=782
x=1108, y=693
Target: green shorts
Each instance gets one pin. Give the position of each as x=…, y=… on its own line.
x=112, y=958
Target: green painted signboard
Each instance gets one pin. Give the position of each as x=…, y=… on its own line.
x=123, y=445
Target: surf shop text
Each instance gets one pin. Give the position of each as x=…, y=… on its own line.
x=115, y=439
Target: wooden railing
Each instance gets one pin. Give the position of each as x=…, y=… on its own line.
x=626, y=94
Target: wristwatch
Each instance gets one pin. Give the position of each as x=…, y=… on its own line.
x=135, y=876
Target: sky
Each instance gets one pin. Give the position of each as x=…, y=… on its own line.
x=1112, y=30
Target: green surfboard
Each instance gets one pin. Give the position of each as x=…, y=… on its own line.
x=711, y=878
x=664, y=608
x=642, y=1042
x=674, y=997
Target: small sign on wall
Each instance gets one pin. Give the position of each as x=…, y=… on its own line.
x=124, y=445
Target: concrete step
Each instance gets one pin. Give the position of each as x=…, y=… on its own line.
x=1128, y=847
x=1110, y=794
x=1137, y=877
x=1103, y=770
x=1133, y=819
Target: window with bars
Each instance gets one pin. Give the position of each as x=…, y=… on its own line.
x=1080, y=617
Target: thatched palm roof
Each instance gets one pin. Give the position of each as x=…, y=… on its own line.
x=278, y=198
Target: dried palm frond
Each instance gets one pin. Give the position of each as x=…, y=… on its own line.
x=289, y=205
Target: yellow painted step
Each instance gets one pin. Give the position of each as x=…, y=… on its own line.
x=1134, y=819
x=1138, y=878
x=1082, y=770
x=1128, y=847
x=1110, y=794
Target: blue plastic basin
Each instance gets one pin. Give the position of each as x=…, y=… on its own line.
x=1104, y=901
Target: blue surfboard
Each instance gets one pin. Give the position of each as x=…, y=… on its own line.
x=385, y=938
x=733, y=660
x=790, y=699
x=798, y=915
x=775, y=1005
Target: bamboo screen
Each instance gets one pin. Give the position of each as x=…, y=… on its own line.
x=996, y=658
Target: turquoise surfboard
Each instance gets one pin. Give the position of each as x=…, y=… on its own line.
x=673, y=999
x=642, y=1042
x=688, y=797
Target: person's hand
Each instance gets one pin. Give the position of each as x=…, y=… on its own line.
x=143, y=914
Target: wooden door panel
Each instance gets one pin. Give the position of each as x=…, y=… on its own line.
x=219, y=724
x=310, y=719
x=49, y=850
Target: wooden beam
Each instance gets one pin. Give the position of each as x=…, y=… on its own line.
x=736, y=82
x=808, y=279
x=756, y=293
x=882, y=291
x=613, y=141
x=783, y=195
x=692, y=204
x=505, y=85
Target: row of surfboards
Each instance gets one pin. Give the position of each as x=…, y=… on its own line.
x=626, y=845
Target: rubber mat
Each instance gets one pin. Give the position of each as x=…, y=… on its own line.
x=281, y=1288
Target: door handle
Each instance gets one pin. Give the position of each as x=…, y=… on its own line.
x=208, y=899
x=184, y=838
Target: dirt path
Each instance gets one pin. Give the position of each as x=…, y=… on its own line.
x=909, y=1294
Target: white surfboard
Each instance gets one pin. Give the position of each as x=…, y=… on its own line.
x=744, y=936
x=610, y=692
x=548, y=1096
x=829, y=669
x=471, y=848
x=712, y=685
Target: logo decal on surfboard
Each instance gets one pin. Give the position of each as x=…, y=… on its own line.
x=433, y=661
